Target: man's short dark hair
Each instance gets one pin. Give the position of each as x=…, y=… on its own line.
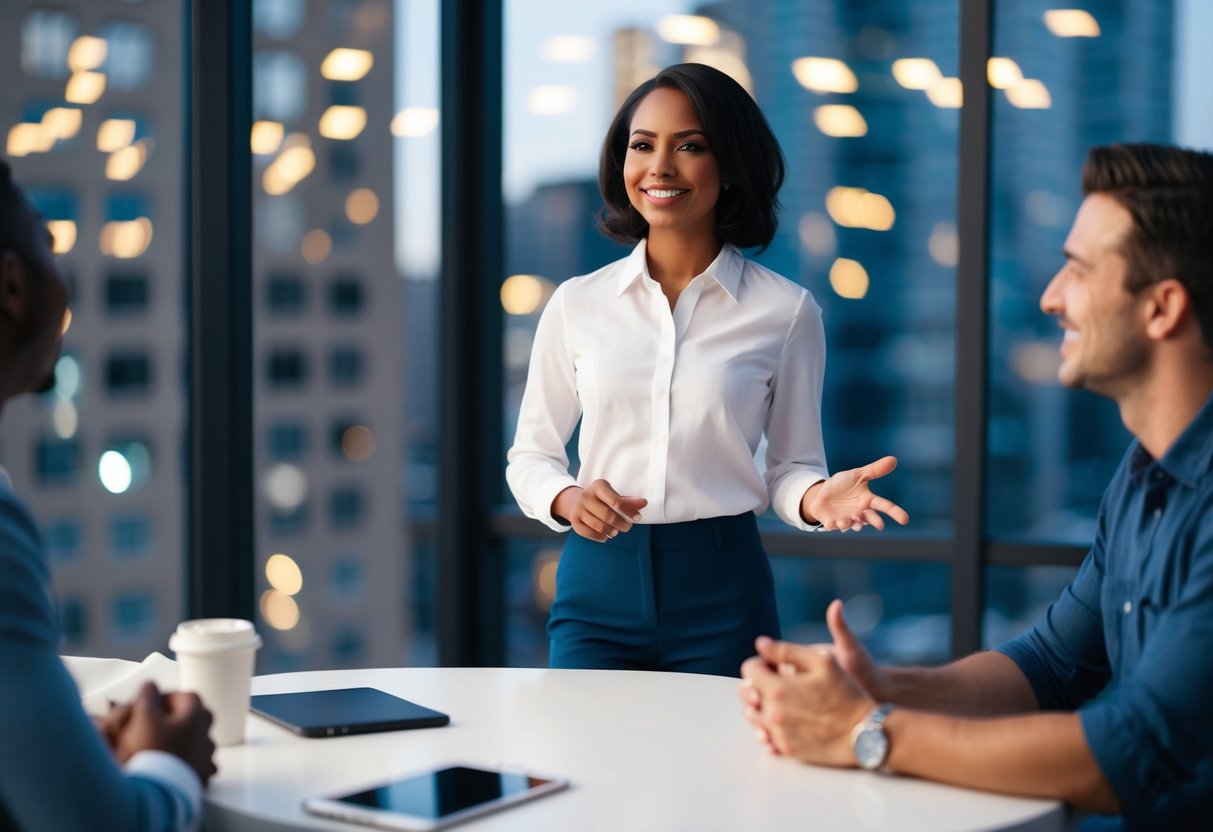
x=746, y=150
x=1169, y=193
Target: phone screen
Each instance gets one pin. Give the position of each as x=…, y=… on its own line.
x=437, y=794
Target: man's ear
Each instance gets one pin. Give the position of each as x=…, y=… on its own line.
x=14, y=286
x=1168, y=309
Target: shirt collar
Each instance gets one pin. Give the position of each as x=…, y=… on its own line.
x=726, y=269
x=1190, y=457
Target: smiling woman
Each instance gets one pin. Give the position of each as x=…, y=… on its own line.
x=665, y=570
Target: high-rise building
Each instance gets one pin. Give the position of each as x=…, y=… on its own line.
x=93, y=116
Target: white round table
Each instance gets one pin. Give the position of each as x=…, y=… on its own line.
x=643, y=751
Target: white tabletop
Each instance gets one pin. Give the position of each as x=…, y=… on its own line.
x=644, y=751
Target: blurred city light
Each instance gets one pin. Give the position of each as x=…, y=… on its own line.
x=824, y=75
x=65, y=418
x=525, y=294
x=316, y=246
x=1030, y=94
x=568, y=49
x=85, y=87
x=278, y=610
x=266, y=137
x=848, y=278
x=361, y=206
x=944, y=244
x=342, y=122
x=357, y=443
x=62, y=122
x=916, y=73
x=840, y=121
x=26, y=138
x=860, y=208
x=688, y=30
x=346, y=64
x=817, y=234
x=66, y=324
x=114, y=470
x=284, y=574
x=124, y=164
x=126, y=240
x=551, y=99
x=67, y=377
x=292, y=165
x=64, y=234
x=86, y=52
x=947, y=93
x=1003, y=73
x=115, y=134
x=286, y=486
x=413, y=122
x=1072, y=23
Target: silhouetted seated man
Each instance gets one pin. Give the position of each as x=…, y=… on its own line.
x=145, y=768
x=1107, y=702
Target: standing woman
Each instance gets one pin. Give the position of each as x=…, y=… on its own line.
x=677, y=360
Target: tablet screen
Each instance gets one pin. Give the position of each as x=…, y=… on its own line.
x=437, y=794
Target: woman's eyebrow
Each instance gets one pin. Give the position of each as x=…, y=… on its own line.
x=681, y=134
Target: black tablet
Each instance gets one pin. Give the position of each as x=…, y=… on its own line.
x=337, y=713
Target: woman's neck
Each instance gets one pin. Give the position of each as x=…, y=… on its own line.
x=675, y=259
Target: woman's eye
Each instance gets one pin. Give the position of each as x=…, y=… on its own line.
x=692, y=147
x=639, y=145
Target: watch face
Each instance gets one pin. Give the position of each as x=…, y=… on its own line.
x=871, y=746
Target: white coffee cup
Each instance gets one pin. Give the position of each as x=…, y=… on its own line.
x=215, y=660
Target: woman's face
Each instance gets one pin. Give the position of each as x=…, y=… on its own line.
x=670, y=171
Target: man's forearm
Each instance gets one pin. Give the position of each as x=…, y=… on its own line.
x=983, y=684
x=1040, y=755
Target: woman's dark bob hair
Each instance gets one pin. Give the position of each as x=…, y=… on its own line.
x=746, y=150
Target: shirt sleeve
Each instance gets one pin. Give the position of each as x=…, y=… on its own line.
x=55, y=770
x=1064, y=657
x=796, y=457
x=1154, y=732
x=538, y=466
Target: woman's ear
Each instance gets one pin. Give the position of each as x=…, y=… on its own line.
x=14, y=286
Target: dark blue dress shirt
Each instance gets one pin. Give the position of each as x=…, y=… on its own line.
x=1129, y=644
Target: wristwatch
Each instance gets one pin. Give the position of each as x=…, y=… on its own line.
x=869, y=740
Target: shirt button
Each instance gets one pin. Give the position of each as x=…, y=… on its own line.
x=1128, y=607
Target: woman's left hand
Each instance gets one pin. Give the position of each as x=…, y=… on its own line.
x=844, y=501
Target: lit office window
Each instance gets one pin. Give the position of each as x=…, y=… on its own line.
x=128, y=373
x=57, y=461
x=285, y=295
x=130, y=535
x=279, y=86
x=346, y=366
x=126, y=294
x=286, y=369
x=46, y=37
x=129, y=56
x=62, y=539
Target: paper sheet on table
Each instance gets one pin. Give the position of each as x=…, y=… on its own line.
x=102, y=681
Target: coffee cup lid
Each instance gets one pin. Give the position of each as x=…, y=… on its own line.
x=212, y=635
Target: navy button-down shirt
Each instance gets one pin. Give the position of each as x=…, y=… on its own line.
x=1129, y=644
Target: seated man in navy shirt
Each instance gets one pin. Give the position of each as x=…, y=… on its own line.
x=1106, y=703
x=145, y=768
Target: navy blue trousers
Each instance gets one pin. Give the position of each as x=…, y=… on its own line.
x=688, y=597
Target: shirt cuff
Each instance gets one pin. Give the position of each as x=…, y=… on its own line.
x=546, y=493
x=787, y=497
x=176, y=776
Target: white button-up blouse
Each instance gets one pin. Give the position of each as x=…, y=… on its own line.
x=673, y=405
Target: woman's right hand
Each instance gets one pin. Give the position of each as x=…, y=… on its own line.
x=597, y=512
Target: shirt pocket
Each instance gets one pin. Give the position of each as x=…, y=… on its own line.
x=1131, y=616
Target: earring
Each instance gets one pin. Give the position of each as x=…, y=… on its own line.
x=726, y=185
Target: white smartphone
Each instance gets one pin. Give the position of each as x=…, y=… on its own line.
x=435, y=799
